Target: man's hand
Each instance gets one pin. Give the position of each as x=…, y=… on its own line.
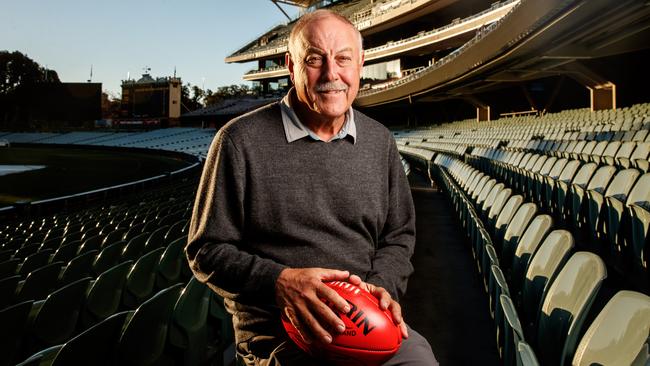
x=385, y=302
x=299, y=292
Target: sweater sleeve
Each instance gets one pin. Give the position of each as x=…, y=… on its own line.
x=214, y=250
x=391, y=265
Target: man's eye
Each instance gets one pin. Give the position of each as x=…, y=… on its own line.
x=314, y=61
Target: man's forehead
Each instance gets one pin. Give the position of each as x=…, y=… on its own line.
x=325, y=32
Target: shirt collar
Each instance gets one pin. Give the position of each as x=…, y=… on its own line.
x=294, y=129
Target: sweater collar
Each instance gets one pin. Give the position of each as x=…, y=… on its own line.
x=294, y=129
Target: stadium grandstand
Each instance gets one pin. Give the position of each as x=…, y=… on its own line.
x=524, y=128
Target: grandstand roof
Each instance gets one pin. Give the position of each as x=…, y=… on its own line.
x=301, y=3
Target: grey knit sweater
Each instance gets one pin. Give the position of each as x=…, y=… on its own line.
x=264, y=204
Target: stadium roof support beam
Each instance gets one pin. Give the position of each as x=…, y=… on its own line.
x=275, y=2
x=483, y=112
x=602, y=92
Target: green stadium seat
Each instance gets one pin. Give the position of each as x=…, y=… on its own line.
x=35, y=261
x=113, y=236
x=544, y=266
x=13, y=320
x=71, y=237
x=526, y=354
x=92, y=243
x=90, y=232
x=135, y=247
x=6, y=255
x=66, y=252
x=108, y=257
x=512, y=331
x=188, y=329
x=133, y=231
x=619, y=334
x=9, y=267
x=638, y=207
x=559, y=191
x=27, y=250
x=105, y=295
x=595, y=198
x=489, y=200
x=156, y=239
x=8, y=287
x=39, y=283
x=614, y=207
x=528, y=244
x=175, y=231
x=514, y=231
x=141, y=280
x=576, y=193
x=56, y=320
x=505, y=216
x=566, y=306
x=42, y=358
x=144, y=337
x=96, y=345
x=78, y=268
x=52, y=243
x=171, y=262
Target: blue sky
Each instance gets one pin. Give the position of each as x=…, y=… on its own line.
x=120, y=37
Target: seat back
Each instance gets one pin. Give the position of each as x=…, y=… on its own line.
x=544, y=265
x=566, y=305
x=513, y=232
x=505, y=216
x=619, y=334
x=528, y=244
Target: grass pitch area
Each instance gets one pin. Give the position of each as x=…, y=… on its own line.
x=67, y=171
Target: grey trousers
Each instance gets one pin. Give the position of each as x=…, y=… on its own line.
x=275, y=351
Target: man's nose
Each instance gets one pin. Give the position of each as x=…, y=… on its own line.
x=330, y=70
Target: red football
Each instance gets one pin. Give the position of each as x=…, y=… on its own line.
x=370, y=336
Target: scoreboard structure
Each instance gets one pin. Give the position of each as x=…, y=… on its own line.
x=148, y=101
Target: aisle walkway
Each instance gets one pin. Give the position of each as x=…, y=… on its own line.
x=445, y=300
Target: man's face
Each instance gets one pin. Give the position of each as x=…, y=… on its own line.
x=327, y=69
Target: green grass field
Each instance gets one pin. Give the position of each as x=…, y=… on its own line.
x=69, y=171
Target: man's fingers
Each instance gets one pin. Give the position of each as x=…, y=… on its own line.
x=334, y=298
x=334, y=275
x=396, y=311
x=314, y=326
x=404, y=329
x=326, y=315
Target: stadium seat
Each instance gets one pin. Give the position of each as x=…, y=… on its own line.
x=9, y=267
x=175, y=231
x=514, y=231
x=35, y=261
x=544, y=265
x=135, y=247
x=141, y=280
x=512, y=331
x=619, y=334
x=78, y=267
x=42, y=358
x=91, y=243
x=8, y=290
x=526, y=354
x=505, y=216
x=528, y=244
x=13, y=320
x=94, y=346
x=576, y=194
x=105, y=294
x=566, y=305
x=52, y=243
x=614, y=207
x=144, y=336
x=27, y=250
x=56, y=320
x=156, y=239
x=558, y=189
x=638, y=206
x=66, y=252
x=113, y=237
x=171, y=261
x=108, y=257
x=595, y=198
x=39, y=283
x=188, y=329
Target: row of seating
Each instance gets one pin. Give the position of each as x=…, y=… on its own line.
x=63, y=274
x=540, y=289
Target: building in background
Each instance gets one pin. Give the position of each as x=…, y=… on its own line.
x=149, y=102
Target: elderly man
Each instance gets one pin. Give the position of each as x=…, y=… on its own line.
x=300, y=192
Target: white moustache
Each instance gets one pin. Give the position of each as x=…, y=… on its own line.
x=331, y=86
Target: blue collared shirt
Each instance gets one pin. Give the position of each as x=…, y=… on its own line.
x=294, y=129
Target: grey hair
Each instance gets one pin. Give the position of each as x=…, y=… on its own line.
x=294, y=47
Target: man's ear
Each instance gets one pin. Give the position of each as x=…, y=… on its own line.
x=289, y=62
x=363, y=58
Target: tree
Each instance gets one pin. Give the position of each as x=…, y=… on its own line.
x=17, y=69
x=110, y=106
x=18, y=73
x=190, y=102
